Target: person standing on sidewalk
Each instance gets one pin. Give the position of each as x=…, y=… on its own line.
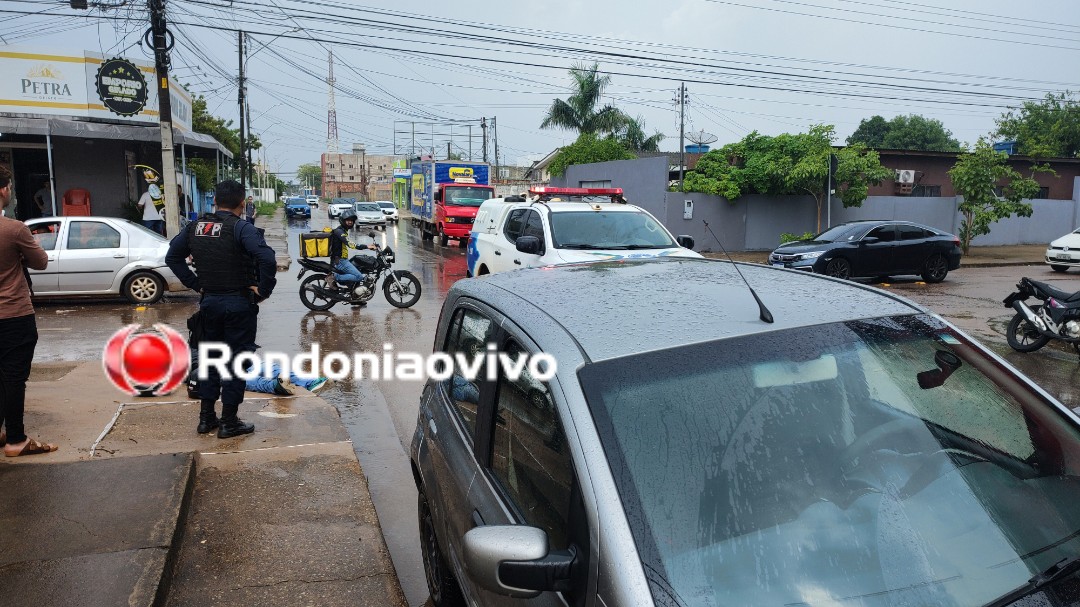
x=234, y=271
x=151, y=215
x=18, y=326
x=249, y=210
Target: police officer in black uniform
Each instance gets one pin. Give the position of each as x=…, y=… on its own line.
x=234, y=271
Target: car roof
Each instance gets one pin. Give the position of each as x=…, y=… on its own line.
x=628, y=313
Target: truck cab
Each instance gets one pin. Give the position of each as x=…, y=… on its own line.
x=456, y=205
x=551, y=226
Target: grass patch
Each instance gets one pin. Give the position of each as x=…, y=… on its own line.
x=266, y=209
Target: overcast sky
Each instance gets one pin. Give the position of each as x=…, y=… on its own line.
x=768, y=65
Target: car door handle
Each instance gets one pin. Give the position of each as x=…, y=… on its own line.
x=517, y=261
x=50, y=257
x=119, y=256
x=477, y=519
x=498, y=252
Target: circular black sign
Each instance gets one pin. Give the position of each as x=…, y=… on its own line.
x=121, y=87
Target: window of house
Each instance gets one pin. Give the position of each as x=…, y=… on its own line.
x=530, y=456
x=1044, y=194
x=504, y=173
x=595, y=184
x=928, y=191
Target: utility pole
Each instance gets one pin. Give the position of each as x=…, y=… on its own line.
x=448, y=150
x=247, y=111
x=495, y=133
x=682, y=129
x=243, y=103
x=162, y=44
x=483, y=126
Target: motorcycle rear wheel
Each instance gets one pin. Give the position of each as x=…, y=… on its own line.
x=311, y=299
x=1022, y=336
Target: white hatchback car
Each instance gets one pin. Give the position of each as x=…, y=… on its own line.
x=389, y=209
x=102, y=256
x=313, y=201
x=1064, y=253
x=550, y=228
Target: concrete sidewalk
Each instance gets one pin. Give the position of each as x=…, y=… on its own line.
x=977, y=257
x=138, y=509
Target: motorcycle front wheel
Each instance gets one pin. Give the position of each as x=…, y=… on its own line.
x=404, y=296
x=1023, y=336
x=311, y=299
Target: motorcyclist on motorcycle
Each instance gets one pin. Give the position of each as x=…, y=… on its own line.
x=339, y=249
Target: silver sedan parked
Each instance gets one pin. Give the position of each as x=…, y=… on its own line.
x=102, y=256
x=851, y=448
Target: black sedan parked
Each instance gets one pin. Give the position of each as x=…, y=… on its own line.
x=874, y=249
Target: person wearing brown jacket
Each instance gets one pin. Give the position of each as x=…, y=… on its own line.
x=18, y=326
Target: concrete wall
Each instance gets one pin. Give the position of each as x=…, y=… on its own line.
x=1049, y=219
x=644, y=180
x=99, y=167
x=937, y=213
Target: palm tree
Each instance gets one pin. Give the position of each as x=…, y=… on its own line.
x=579, y=111
x=632, y=135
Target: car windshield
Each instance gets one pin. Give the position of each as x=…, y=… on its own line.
x=296, y=201
x=874, y=463
x=842, y=233
x=386, y=205
x=467, y=197
x=131, y=225
x=607, y=230
x=369, y=208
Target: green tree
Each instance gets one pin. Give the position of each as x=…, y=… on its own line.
x=992, y=190
x=632, y=135
x=310, y=174
x=1046, y=129
x=912, y=132
x=789, y=164
x=587, y=149
x=581, y=112
x=202, y=121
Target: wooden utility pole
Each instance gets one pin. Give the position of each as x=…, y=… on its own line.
x=162, y=43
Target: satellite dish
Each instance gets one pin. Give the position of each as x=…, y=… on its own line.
x=701, y=138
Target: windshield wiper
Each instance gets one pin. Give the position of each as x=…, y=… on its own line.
x=648, y=246
x=1059, y=570
x=580, y=245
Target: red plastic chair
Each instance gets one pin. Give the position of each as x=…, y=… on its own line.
x=76, y=203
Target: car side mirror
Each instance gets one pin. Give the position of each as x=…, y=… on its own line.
x=687, y=242
x=529, y=245
x=871, y=239
x=513, y=560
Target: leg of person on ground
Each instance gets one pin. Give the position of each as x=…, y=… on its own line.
x=18, y=338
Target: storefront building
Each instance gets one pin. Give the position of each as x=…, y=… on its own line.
x=82, y=123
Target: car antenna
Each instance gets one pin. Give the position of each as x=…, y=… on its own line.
x=765, y=314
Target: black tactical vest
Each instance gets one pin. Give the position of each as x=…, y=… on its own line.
x=223, y=266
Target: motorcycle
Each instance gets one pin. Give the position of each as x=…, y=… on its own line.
x=400, y=288
x=1058, y=317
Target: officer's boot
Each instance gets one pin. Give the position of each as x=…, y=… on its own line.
x=231, y=425
x=208, y=419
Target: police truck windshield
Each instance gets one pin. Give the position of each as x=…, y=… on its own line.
x=466, y=196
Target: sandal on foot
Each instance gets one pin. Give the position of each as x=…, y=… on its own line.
x=32, y=447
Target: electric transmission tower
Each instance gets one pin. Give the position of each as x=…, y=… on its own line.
x=331, y=112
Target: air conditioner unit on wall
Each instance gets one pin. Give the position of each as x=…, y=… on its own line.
x=905, y=176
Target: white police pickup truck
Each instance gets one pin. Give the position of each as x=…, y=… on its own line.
x=553, y=226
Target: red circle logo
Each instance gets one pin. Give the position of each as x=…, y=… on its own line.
x=150, y=363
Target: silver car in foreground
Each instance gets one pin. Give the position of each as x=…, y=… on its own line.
x=853, y=450
x=102, y=256
x=370, y=215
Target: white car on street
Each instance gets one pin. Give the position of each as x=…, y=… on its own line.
x=101, y=256
x=389, y=209
x=313, y=200
x=566, y=225
x=340, y=205
x=1064, y=253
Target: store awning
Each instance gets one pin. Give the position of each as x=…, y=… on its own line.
x=101, y=130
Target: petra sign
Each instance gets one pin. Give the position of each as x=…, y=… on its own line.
x=37, y=81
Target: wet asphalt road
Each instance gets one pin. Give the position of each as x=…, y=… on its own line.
x=381, y=415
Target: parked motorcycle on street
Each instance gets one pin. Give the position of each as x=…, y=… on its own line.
x=401, y=287
x=1058, y=317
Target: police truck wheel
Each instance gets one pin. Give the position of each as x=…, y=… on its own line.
x=311, y=299
x=143, y=288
